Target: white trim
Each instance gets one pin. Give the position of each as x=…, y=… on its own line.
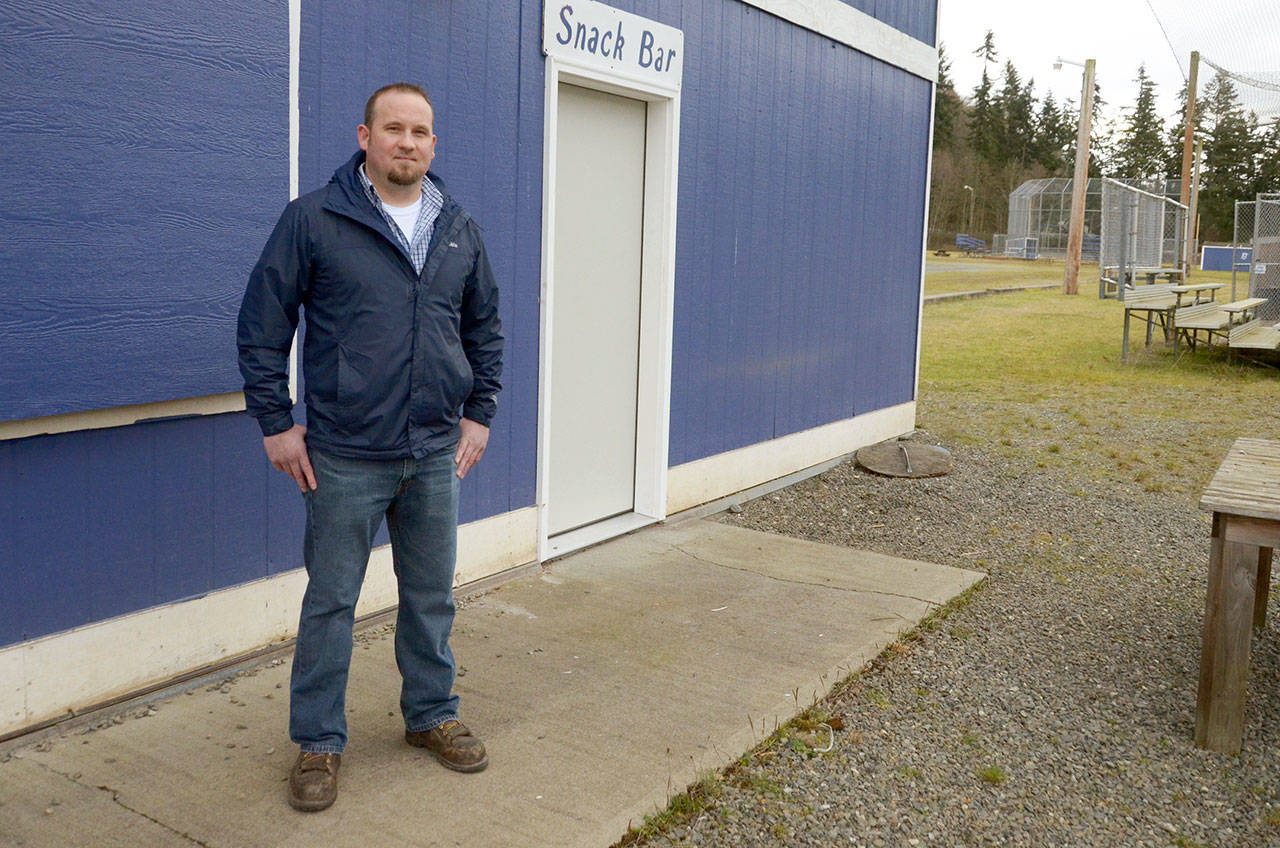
x=924, y=241
x=295, y=59
x=585, y=537
x=491, y=545
x=85, y=666
x=295, y=53
x=714, y=477
x=657, y=298
x=121, y=416
x=847, y=25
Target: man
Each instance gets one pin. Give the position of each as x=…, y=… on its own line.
x=402, y=332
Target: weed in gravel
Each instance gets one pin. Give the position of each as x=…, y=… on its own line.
x=696, y=798
x=993, y=775
x=757, y=783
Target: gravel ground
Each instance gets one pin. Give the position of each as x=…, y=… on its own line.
x=1054, y=706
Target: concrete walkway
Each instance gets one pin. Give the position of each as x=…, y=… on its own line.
x=601, y=686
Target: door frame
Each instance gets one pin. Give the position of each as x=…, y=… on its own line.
x=657, y=296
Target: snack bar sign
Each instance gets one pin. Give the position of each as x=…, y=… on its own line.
x=589, y=33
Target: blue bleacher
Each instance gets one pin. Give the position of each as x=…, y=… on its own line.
x=970, y=245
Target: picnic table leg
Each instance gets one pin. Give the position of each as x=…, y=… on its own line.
x=1263, y=590
x=1149, y=326
x=1224, y=661
x=1124, y=351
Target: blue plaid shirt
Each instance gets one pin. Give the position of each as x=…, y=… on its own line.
x=432, y=202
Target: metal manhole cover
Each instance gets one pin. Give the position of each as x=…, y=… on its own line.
x=905, y=459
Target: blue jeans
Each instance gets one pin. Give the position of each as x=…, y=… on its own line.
x=419, y=498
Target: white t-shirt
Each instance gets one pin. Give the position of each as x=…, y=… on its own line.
x=405, y=216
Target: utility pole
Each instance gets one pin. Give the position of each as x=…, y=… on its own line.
x=1193, y=213
x=1075, y=237
x=1188, y=144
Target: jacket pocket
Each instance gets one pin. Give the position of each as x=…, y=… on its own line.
x=461, y=380
x=353, y=379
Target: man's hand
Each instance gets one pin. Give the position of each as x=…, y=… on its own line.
x=470, y=446
x=287, y=452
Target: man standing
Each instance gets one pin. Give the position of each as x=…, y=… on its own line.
x=402, y=332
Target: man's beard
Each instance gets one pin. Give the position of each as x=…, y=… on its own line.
x=404, y=175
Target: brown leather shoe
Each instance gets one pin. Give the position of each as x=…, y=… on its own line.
x=313, y=783
x=452, y=744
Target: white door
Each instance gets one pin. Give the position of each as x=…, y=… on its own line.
x=595, y=335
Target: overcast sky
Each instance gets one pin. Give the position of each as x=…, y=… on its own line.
x=1119, y=34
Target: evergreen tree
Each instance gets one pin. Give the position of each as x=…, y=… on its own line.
x=1055, y=136
x=1230, y=169
x=1016, y=109
x=984, y=122
x=948, y=109
x=1269, y=156
x=987, y=52
x=1140, y=150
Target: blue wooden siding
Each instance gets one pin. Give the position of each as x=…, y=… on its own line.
x=141, y=145
x=797, y=268
x=104, y=522
x=800, y=219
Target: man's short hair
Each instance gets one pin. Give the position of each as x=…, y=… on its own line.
x=401, y=87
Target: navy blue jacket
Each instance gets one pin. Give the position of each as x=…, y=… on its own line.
x=389, y=356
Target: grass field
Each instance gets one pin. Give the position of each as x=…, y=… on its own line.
x=955, y=273
x=1048, y=368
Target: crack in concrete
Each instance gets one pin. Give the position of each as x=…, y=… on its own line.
x=115, y=798
x=691, y=554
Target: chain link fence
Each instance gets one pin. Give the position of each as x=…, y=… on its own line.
x=1040, y=209
x=1256, y=247
x=1142, y=236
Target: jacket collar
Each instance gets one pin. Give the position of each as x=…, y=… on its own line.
x=345, y=195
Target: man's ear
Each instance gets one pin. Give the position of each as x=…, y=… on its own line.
x=362, y=136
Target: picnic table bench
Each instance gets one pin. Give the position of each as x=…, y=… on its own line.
x=1113, y=278
x=1244, y=497
x=1159, y=302
x=1254, y=335
x=1212, y=319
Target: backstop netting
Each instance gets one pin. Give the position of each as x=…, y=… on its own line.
x=1235, y=38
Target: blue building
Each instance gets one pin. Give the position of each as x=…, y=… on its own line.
x=707, y=218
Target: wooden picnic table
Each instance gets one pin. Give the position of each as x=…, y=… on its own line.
x=1244, y=497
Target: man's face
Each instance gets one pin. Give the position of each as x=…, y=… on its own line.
x=400, y=145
